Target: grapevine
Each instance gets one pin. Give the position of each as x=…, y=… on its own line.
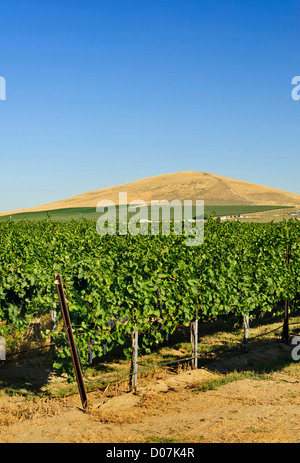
x=117, y=284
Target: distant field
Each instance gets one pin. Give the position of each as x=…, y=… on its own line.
x=57, y=214
x=237, y=210
x=91, y=213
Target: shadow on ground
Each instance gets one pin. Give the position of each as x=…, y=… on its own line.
x=264, y=354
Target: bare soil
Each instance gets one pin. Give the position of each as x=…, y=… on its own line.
x=166, y=406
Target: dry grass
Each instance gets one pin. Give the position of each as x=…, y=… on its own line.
x=213, y=189
x=18, y=410
x=158, y=387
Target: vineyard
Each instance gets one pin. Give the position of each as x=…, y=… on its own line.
x=119, y=285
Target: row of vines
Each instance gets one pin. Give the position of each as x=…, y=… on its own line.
x=118, y=284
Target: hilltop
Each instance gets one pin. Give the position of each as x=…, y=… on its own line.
x=213, y=189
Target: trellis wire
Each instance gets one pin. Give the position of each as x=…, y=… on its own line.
x=185, y=359
x=135, y=370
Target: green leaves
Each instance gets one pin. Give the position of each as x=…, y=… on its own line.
x=115, y=284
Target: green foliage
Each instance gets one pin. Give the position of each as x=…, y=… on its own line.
x=117, y=284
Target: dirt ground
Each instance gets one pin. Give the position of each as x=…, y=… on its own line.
x=166, y=407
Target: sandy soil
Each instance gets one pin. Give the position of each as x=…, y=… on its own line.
x=167, y=408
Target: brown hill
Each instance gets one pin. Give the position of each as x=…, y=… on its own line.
x=213, y=189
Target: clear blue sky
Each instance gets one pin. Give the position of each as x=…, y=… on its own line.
x=105, y=92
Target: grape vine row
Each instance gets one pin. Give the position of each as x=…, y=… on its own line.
x=118, y=284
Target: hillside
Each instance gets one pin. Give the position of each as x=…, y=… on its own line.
x=213, y=189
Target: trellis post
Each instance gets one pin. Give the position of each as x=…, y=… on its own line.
x=71, y=340
x=134, y=360
x=194, y=341
x=285, y=330
x=246, y=332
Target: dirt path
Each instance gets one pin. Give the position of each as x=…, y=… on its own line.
x=167, y=409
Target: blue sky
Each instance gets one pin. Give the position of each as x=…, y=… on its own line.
x=100, y=93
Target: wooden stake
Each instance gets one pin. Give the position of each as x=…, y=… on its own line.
x=134, y=360
x=246, y=332
x=194, y=342
x=72, y=344
x=285, y=330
